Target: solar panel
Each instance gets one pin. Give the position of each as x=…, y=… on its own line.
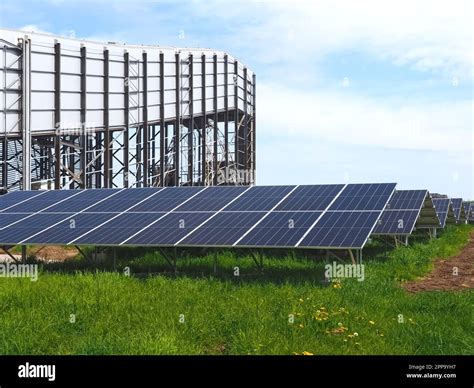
x=315, y=197
x=332, y=216
x=402, y=212
x=444, y=210
x=350, y=218
x=16, y=198
x=458, y=209
x=280, y=229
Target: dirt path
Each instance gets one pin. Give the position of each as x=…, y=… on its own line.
x=442, y=278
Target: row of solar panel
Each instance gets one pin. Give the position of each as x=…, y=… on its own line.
x=332, y=216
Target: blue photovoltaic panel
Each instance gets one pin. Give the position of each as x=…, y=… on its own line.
x=317, y=197
x=15, y=197
x=168, y=199
x=213, y=198
x=280, y=229
x=119, y=229
x=223, y=229
x=442, y=207
x=401, y=213
x=86, y=199
x=407, y=200
x=341, y=230
x=42, y=202
x=467, y=206
x=124, y=200
x=170, y=229
x=260, y=198
x=69, y=229
x=8, y=218
x=457, y=205
x=29, y=226
x=396, y=222
x=364, y=197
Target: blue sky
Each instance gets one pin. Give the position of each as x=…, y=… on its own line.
x=346, y=91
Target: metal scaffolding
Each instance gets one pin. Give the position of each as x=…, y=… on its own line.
x=198, y=131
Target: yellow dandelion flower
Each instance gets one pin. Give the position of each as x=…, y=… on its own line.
x=372, y=322
x=301, y=325
x=301, y=300
x=305, y=353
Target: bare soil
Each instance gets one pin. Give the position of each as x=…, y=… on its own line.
x=54, y=253
x=444, y=278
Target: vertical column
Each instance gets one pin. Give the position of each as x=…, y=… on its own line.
x=204, y=119
x=216, y=120
x=146, y=129
x=83, y=136
x=26, y=114
x=177, y=125
x=246, y=128
x=191, y=122
x=236, y=115
x=254, y=129
x=126, y=131
x=57, y=116
x=226, y=110
x=107, y=137
x=162, y=119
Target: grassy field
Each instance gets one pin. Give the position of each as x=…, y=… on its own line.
x=197, y=312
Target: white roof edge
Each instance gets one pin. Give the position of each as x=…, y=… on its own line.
x=120, y=44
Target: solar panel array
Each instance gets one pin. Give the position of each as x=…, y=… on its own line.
x=316, y=216
x=401, y=213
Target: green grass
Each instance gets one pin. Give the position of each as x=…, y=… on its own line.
x=224, y=314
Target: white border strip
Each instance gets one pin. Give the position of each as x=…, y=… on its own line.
x=265, y=216
x=117, y=215
x=322, y=214
x=72, y=216
x=163, y=216
x=211, y=217
x=42, y=210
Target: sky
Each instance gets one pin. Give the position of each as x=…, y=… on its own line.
x=347, y=91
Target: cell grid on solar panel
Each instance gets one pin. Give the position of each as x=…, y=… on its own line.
x=306, y=198
x=224, y=228
x=395, y=222
x=260, y=198
x=280, y=229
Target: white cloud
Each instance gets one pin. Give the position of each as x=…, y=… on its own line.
x=425, y=35
x=361, y=121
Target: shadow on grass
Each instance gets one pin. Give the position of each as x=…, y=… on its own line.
x=223, y=266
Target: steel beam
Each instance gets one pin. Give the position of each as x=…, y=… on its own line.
x=146, y=129
x=126, y=131
x=57, y=116
x=245, y=124
x=191, y=123
x=107, y=137
x=26, y=114
x=177, y=125
x=254, y=128
x=216, y=120
x=226, y=110
x=204, y=120
x=83, y=136
x=162, y=120
x=236, y=115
